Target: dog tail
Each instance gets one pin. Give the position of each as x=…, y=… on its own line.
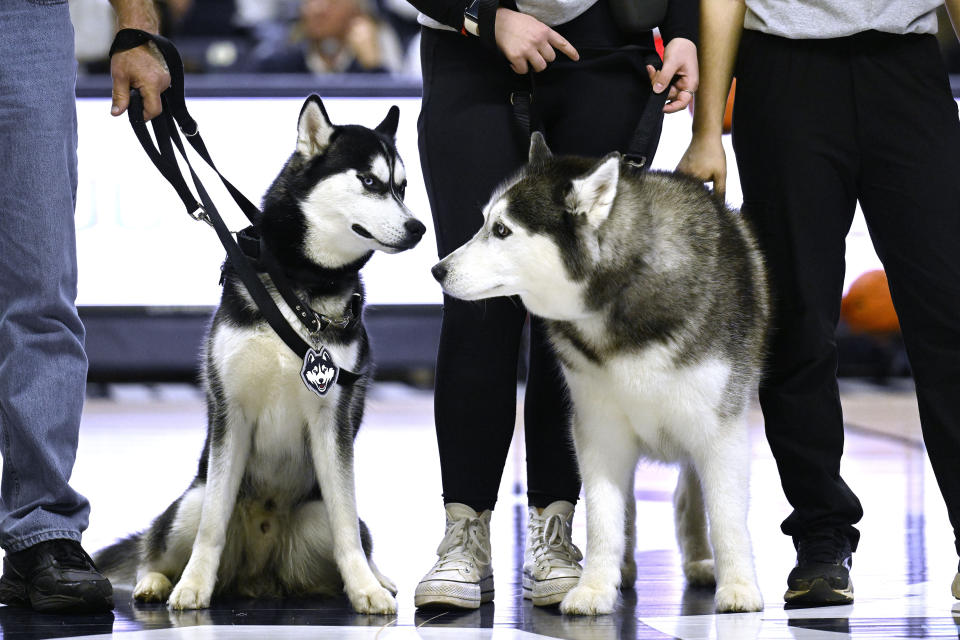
x=119, y=561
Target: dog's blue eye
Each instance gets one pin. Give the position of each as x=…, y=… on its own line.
x=501, y=230
x=370, y=182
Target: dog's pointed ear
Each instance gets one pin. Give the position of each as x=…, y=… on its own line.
x=389, y=125
x=314, y=128
x=592, y=195
x=539, y=151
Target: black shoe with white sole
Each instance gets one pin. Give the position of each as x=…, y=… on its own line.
x=55, y=576
x=822, y=575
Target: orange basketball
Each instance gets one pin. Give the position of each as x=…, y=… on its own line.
x=867, y=307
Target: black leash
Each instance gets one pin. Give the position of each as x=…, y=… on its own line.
x=319, y=370
x=649, y=125
x=651, y=121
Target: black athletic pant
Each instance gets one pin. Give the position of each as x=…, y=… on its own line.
x=469, y=144
x=819, y=125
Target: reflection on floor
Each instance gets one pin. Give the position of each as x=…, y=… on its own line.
x=139, y=449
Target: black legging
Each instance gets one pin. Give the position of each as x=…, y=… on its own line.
x=468, y=145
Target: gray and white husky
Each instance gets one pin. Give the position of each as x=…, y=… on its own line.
x=656, y=304
x=272, y=510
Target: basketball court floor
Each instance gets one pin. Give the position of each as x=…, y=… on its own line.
x=139, y=448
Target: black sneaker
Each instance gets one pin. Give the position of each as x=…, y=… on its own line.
x=822, y=574
x=56, y=575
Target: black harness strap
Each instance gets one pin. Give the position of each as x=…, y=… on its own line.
x=164, y=158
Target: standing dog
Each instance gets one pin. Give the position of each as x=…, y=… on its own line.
x=272, y=509
x=656, y=303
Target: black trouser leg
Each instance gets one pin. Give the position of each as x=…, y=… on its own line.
x=794, y=138
x=910, y=193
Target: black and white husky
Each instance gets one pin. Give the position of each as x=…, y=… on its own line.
x=656, y=303
x=272, y=510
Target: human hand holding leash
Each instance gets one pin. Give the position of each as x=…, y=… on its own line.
x=528, y=43
x=142, y=67
x=680, y=61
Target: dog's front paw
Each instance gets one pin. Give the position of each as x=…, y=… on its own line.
x=586, y=600
x=189, y=594
x=374, y=600
x=700, y=573
x=153, y=587
x=738, y=597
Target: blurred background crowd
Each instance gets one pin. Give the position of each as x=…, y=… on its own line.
x=268, y=36
x=293, y=36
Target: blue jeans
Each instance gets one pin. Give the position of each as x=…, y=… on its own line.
x=42, y=361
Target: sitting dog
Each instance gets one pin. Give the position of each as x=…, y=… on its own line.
x=656, y=303
x=272, y=510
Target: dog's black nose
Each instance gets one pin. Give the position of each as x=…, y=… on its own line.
x=414, y=227
x=439, y=272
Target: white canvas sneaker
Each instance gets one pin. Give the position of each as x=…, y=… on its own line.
x=463, y=575
x=551, y=565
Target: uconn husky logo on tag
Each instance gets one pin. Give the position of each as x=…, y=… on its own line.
x=319, y=372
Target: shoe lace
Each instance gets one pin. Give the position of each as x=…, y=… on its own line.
x=464, y=542
x=552, y=542
x=828, y=547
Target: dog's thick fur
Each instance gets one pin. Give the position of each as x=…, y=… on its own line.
x=253, y=521
x=656, y=304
